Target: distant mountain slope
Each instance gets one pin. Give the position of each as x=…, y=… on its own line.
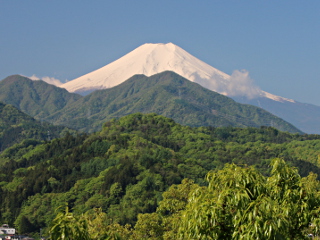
x=167, y=94
x=305, y=116
x=16, y=126
x=36, y=98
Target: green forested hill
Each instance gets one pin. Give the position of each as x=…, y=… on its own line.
x=125, y=167
x=167, y=94
x=35, y=98
x=16, y=126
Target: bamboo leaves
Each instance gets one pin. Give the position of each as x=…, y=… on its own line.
x=240, y=203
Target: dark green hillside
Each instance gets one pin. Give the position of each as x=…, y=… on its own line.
x=16, y=126
x=36, y=98
x=167, y=94
x=125, y=167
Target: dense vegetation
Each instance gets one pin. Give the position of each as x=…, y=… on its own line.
x=238, y=203
x=125, y=168
x=15, y=126
x=167, y=94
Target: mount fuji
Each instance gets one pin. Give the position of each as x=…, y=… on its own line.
x=150, y=59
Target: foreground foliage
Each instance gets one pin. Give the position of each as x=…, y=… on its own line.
x=239, y=203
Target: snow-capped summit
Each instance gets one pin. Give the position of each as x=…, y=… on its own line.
x=150, y=59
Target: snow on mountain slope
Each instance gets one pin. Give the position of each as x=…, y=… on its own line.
x=150, y=59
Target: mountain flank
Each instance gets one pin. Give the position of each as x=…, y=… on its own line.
x=36, y=98
x=167, y=94
x=16, y=126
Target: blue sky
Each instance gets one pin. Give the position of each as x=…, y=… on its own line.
x=278, y=42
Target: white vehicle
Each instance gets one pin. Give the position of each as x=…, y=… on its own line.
x=5, y=229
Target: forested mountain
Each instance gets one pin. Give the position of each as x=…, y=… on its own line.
x=16, y=126
x=124, y=168
x=35, y=98
x=167, y=94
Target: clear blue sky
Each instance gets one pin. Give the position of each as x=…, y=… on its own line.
x=278, y=42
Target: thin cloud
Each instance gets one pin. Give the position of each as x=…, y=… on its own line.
x=50, y=80
x=241, y=84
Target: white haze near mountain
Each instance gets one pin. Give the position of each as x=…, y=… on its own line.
x=150, y=59
x=240, y=84
x=50, y=80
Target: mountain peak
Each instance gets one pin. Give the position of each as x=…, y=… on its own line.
x=168, y=45
x=152, y=58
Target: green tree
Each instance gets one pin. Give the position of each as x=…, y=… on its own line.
x=66, y=226
x=163, y=223
x=173, y=203
x=149, y=226
x=240, y=203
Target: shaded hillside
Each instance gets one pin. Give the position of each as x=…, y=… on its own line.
x=36, y=98
x=167, y=94
x=16, y=126
x=125, y=167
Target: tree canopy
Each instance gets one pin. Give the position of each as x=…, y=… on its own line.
x=241, y=203
x=238, y=203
